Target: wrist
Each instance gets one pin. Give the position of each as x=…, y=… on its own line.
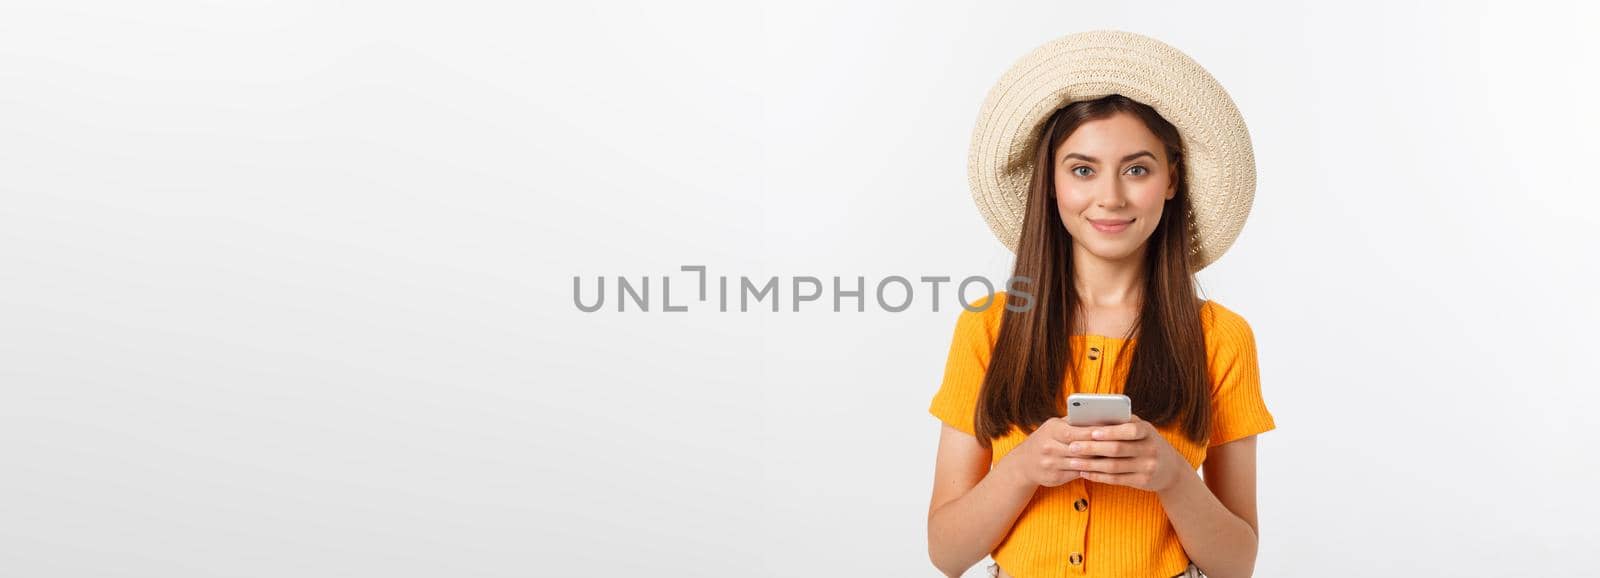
x=1010, y=475
x=1182, y=484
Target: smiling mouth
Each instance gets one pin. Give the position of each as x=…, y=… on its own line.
x=1110, y=225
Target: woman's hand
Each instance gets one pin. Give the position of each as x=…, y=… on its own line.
x=1042, y=458
x=1132, y=454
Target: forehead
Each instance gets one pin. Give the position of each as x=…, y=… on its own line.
x=1111, y=137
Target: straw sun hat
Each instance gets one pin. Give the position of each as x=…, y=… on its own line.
x=1221, y=167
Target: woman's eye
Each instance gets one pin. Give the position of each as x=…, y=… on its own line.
x=1141, y=170
x=1075, y=171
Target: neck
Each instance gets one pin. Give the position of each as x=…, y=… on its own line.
x=1104, y=283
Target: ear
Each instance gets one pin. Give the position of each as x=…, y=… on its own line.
x=1172, y=185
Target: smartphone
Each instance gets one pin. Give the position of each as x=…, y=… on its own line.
x=1091, y=409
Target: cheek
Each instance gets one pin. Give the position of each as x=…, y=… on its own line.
x=1151, y=200
x=1151, y=216
x=1073, y=197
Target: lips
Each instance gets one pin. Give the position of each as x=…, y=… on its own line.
x=1110, y=225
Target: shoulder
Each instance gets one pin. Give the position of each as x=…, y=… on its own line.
x=984, y=314
x=1224, y=326
x=991, y=306
x=985, y=302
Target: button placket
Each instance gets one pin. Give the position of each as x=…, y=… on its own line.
x=1094, y=345
x=1095, y=380
x=1077, y=536
x=1081, y=525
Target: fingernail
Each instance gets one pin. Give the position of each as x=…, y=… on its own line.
x=1099, y=434
x=1074, y=446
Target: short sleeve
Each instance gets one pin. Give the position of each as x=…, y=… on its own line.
x=957, y=399
x=1237, y=407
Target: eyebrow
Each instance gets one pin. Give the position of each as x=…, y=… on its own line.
x=1097, y=161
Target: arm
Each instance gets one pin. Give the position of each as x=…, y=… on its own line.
x=973, y=507
x=1216, y=520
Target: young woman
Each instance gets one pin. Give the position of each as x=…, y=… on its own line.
x=1115, y=208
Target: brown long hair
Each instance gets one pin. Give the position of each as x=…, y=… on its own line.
x=1168, y=378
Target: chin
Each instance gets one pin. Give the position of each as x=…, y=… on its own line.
x=1113, y=253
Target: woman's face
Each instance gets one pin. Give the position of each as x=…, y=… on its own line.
x=1115, y=173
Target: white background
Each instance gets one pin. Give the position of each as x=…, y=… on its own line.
x=286, y=287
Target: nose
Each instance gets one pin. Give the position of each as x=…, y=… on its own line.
x=1110, y=194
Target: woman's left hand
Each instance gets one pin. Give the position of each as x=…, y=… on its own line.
x=1133, y=454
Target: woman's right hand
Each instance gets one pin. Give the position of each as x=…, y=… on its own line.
x=1042, y=458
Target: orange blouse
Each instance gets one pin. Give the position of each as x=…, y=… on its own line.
x=1085, y=528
